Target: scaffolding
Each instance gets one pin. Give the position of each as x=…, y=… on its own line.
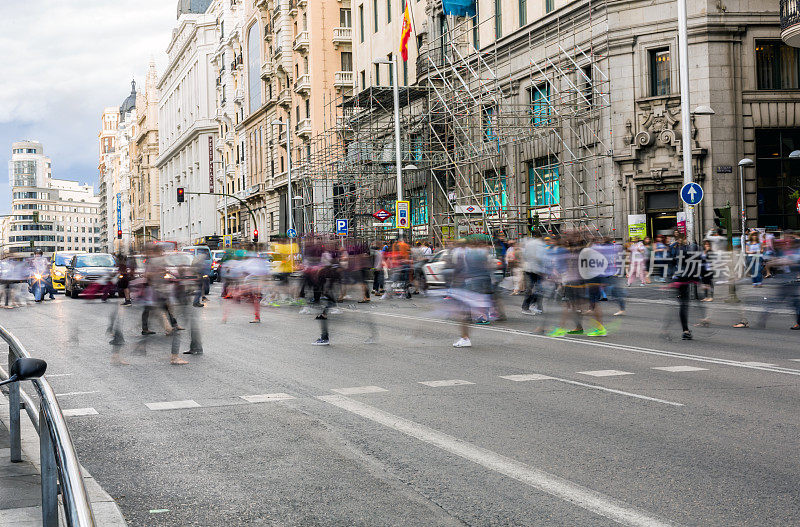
x=489, y=143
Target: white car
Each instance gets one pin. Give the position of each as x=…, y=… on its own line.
x=438, y=270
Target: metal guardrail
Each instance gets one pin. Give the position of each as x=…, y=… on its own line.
x=60, y=469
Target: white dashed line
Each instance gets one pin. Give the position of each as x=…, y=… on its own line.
x=556, y=486
x=74, y=393
x=676, y=369
x=616, y=347
x=51, y=375
x=526, y=377
x=451, y=382
x=759, y=364
x=266, y=397
x=605, y=373
x=173, y=405
x=358, y=390
x=74, y=412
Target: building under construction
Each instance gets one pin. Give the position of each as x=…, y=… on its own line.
x=495, y=138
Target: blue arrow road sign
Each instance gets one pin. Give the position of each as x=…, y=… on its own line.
x=692, y=193
x=291, y=233
x=341, y=227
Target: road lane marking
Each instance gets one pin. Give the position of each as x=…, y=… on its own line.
x=74, y=412
x=172, y=405
x=450, y=382
x=605, y=373
x=551, y=484
x=526, y=377
x=539, y=377
x=74, y=393
x=51, y=375
x=266, y=397
x=613, y=346
x=358, y=390
x=676, y=369
x=756, y=363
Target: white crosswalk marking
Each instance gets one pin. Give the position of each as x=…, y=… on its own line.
x=679, y=368
x=451, y=382
x=75, y=412
x=266, y=397
x=526, y=377
x=605, y=373
x=173, y=405
x=358, y=390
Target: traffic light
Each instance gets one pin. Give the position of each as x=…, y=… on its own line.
x=181, y=195
x=255, y=235
x=36, y=216
x=119, y=234
x=533, y=223
x=722, y=220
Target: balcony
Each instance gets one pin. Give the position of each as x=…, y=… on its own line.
x=238, y=97
x=292, y=7
x=790, y=22
x=267, y=68
x=303, y=83
x=344, y=79
x=230, y=138
x=271, y=97
x=230, y=170
x=220, y=145
x=303, y=128
x=342, y=35
x=285, y=97
x=301, y=41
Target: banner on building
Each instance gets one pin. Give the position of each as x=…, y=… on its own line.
x=637, y=226
x=682, y=222
x=210, y=164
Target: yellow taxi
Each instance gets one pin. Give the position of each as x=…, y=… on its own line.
x=58, y=271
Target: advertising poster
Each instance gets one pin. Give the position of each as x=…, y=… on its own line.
x=637, y=226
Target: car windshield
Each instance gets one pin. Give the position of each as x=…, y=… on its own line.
x=63, y=258
x=95, y=260
x=178, y=259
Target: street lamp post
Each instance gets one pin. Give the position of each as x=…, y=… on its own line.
x=686, y=126
x=746, y=162
x=280, y=124
x=398, y=155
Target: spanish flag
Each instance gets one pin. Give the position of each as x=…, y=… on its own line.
x=405, y=34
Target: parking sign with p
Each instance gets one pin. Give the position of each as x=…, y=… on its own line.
x=341, y=227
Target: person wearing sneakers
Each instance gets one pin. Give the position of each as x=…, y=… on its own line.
x=573, y=286
x=533, y=257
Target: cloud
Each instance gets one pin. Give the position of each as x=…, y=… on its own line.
x=64, y=61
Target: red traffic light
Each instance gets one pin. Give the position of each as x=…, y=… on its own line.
x=255, y=235
x=180, y=195
x=119, y=234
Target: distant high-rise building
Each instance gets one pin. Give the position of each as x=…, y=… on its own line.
x=48, y=214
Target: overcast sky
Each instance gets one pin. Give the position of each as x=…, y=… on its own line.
x=63, y=61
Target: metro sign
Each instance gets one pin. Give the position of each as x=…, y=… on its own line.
x=382, y=215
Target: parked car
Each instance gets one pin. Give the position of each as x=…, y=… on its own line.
x=87, y=269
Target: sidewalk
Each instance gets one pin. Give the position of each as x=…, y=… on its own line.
x=20, y=491
x=20, y=495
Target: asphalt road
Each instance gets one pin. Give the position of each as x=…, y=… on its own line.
x=638, y=428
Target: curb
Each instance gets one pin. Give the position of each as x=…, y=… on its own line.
x=106, y=511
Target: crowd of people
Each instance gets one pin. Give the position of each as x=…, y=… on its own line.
x=563, y=279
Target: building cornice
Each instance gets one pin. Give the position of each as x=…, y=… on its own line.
x=184, y=139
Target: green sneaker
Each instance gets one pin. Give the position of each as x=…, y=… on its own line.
x=558, y=332
x=275, y=304
x=599, y=332
x=578, y=331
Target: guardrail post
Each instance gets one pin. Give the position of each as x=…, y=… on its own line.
x=47, y=461
x=13, y=412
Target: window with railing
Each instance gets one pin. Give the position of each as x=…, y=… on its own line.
x=543, y=182
x=539, y=99
x=496, y=198
x=777, y=66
